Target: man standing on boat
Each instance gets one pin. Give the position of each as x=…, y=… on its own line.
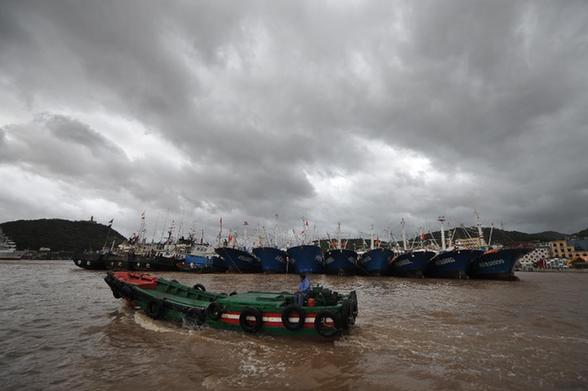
x=303, y=290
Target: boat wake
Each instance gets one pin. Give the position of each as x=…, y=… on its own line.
x=152, y=325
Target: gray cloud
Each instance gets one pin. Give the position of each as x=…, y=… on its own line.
x=361, y=112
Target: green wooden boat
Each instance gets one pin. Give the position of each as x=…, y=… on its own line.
x=326, y=313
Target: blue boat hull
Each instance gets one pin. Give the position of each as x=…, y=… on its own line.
x=219, y=265
x=341, y=262
x=306, y=259
x=272, y=260
x=239, y=261
x=197, y=264
x=375, y=262
x=411, y=264
x=452, y=264
x=497, y=264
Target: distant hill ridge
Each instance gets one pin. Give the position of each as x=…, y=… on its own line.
x=503, y=237
x=60, y=235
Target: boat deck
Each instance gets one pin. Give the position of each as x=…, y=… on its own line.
x=266, y=299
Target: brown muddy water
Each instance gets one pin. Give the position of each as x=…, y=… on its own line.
x=61, y=329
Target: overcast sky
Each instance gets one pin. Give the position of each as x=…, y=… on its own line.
x=359, y=112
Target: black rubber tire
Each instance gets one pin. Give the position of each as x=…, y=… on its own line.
x=322, y=329
x=214, y=310
x=354, y=308
x=116, y=293
x=233, y=293
x=154, y=308
x=287, y=314
x=199, y=287
x=196, y=315
x=127, y=292
x=346, y=318
x=244, y=322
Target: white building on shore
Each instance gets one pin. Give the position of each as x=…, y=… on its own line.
x=541, y=252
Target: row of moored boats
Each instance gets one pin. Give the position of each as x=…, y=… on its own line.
x=489, y=263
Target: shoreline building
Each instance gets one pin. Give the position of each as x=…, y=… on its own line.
x=574, y=249
x=542, y=252
x=561, y=249
x=580, y=249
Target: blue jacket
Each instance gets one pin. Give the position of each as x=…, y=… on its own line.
x=304, y=285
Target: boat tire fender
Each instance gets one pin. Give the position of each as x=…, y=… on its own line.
x=127, y=292
x=346, y=317
x=154, y=308
x=116, y=293
x=290, y=311
x=196, y=315
x=246, y=324
x=214, y=310
x=322, y=328
x=199, y=287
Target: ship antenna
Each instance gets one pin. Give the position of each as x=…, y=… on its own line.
x=220, y=231
x=404, y=244
x=441, y=220
x=142, y=229
x=480, y=232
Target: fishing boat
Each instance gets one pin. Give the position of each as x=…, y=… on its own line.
x=325, y=313
x=453, y=262
x=306, y=258
x=238, y=260
x=497, y=264
x=271, y=257
x=411, y=263
x=120, y=261
x=339, y=260
x=273, y=260
x=374, y=262
x=200, y=259
x=91, y=260
x=413, y=260
x=8, y=249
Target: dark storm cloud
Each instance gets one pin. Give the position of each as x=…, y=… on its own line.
x=271, y=107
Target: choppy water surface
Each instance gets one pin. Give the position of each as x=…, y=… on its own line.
x=60, y=328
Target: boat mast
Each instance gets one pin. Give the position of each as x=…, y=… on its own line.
x=441, y=220
x=479, y=226
x=142, y=229
x=371, y=237
x=304, y=229
x=220, y=232
x=402, y=224
x=245, y=224
x=339, y=236
x=276, y=241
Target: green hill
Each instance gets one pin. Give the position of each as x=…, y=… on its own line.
x=60, y=235
x=503, y=237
